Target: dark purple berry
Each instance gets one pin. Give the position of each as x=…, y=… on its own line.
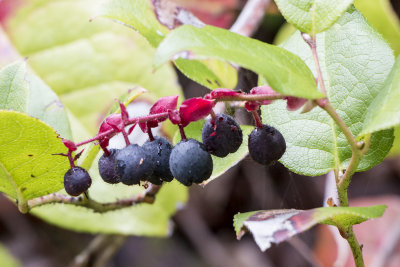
x=266, y=145
x=107, y=167
x=76, y=181
x=190, y=162
x=160, y=150
x=133, y=164
x=222, y=135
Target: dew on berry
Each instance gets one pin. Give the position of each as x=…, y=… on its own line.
x=76, y=181
x=190, y=162
x=222, y=135
x=266, y=145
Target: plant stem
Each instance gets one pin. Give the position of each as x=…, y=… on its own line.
x=148, y=196
x=182, y=132
x=342, y=183
x=257, y=119
x=248, y=97
x=310, y=40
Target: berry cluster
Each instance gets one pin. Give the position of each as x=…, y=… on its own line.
x=189, y=161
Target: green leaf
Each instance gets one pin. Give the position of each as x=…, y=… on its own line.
x=14, y=91
x=28, y=168
x=276, y=226
x=384, y=112
x=6, y=259
x=313, y=16
x=140, y=15
x=381, y=16
x=315, y=145
x=27, y=93
x=221, y=165
x=396, y=144
x=285, y=72
x=88, y=64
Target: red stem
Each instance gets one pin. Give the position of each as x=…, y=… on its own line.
x=71, y=159
x=182, y=132
x=257, y=119
x=150, y=134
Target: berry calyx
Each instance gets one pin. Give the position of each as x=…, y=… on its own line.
x=107, y=167
x=222, y=135
x=190, y=162
x=133, y=164
x=266, y=145
x=77, y=181
x=160, y=150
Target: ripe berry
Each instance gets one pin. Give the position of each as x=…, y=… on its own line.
x=160, y=150
x=190, y=162
x=76, y=181
x=266, y=144
x=107, y=167
x=222, y=135
x=133, y=164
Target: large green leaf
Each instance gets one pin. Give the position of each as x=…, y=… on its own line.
x=140, y=15
x=315, y=145
x=28, y=168
x=14, y=91
x=384, y=112
x=313, y=16
x=276, y=226
x=221, y=165
x=88, y=64
x=285, y=72
x=380, y=14
x=27, y=93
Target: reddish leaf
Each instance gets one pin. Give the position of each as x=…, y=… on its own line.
x=194, y=109
x=263, y=90
x=251, y=105
x=164, y=104
x=124, y=112
x=143, y=126
x=112, y=121
x=174, y=117
x=294, y=103
x=69, y=144
x=221, y=92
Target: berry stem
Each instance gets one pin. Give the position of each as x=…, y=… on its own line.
x=257, y=119
x=71, y=159
x=182, y=132
x=213, y=115
x=150, y=134
x=125, y=135
x=130, y=121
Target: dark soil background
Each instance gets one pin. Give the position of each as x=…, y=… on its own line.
x=203, y=233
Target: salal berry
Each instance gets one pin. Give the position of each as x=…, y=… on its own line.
x=107, y=167
x=222, y=135
x=160, y=150
x=266, y=145
x=190, y=162
x=76, y=181
x=133, y=164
